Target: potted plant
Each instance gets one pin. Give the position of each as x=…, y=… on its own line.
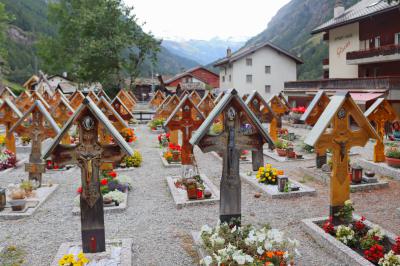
x=17, y=201
x=281, y=148
x=27, y=186
x=393, y=157
x=290, y=153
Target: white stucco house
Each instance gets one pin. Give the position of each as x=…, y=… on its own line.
x=263, y=67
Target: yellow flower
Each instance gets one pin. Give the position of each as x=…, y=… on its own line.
x=267, y=174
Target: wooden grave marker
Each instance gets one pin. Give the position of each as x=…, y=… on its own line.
x=102, y=93
x=157, y=99
x=62, y=112
x=285, y=102
x=9, y=115
x=126, y=99
x=122, y=110
x=241, y=131
x=57, y=97
x=280, y=109
x=24, y=101
x=340, y=138
x=380, y=112
x=133, y=96
x=184, y=93
x=195, y=97
x=219, y=97
x=37, y=96
x=264, y=114
x=47, y=96
x=311, y=116
x=187, y=118
x=76, y=100
x=7, y=93
x=92, y=95
x=206, y=104
x=157, y=114
x=165, y=112
x=89, y=154
x=41, y=127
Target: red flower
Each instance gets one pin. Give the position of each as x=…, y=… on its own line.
x=168, y=135
x=328, y=226
x=112, y=174
x=70, y=113
x=104, y=181
x=396, y=246
x=55, y=167
x=375, y=253
x=359, y=225
x=79, y=190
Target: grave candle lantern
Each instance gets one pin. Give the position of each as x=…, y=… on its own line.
x=356, y=174
x=282, y=181
x=2, y=198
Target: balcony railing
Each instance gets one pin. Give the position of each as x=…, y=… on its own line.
x=380, y=51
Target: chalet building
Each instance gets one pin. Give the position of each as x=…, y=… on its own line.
x=364, y=55
x=197, y=78
x=263, y=67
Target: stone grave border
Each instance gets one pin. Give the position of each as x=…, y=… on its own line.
x=183, y=202
x=273, y=155
x=126, y=250
x=30, y=211
x=215, y=154
x=324, y=177
x=76, y=210
x=380, y=168
x=334, y=246
x=169, y=165
x=274, y=194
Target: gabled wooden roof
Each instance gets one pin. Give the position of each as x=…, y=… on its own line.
x=205, y=101
x=37, y=96
x=103, y=93
x=195, y=97
x=117, y=99
x=11, y=105
x=331, y=110
x=160, y=107
x=263, y=103
x=232, y=95
x=219, y=97
x=383, y=104
x=103, y=102
x=40, y=107
x=91, y=106
x=186, y=100
x=77, y=99
x=317, y=98
x=278, y=100
x=9, y=91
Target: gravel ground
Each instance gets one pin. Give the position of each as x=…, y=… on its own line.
x=161, y=233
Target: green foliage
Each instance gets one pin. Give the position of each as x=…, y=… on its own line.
x=97, y=41
x=4, y=19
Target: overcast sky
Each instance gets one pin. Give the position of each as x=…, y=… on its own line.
x=205, y=19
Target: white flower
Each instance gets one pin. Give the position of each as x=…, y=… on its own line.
x=206, y=261
x=116, y=195
x=260, y=250
x=267, y=245
x=376, y=231
x=249, y=258
x=275, y=235
x=206, y=229
x=234, y=229
x=239, y=258
x=286, y=255
x=251, y=238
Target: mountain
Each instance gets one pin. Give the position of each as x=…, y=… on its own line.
x=202, y=51
x=30, y=21
x=291, y=29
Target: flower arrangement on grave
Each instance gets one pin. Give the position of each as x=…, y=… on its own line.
x=281, y=147
x=115, y=196
x=216, y=128
x=369, y=242
x=247, y=245
x=71, y=260
x=7, y=159
x=173, y=153
x=298, y=110
x=267, y=175
x=163, y=139
x=244, y=154
x=25, y=140
x=393, y=156
x=129, y=135
x=132, y=161
x=283, y=132
x=156, y=123
x=50, y=165
x=28, y=187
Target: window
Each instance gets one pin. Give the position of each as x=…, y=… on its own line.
x=397, y=38
x=249, y=62
x=268, y=69
x=223, y=78
x=377, y=41
x=267, y=88
x=249, y=78
x=230, y=78
x=225, y=70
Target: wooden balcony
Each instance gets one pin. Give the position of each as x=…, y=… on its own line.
x=375, y=55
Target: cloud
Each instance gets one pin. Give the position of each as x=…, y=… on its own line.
x=205, y=19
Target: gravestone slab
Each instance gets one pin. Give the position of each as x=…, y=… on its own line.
x=118, y=253
x=107, y=208
x=166, y=164
x=42, y=194
x=180, y=195
x=276, y=157
x=334, y=246
x=272, y=190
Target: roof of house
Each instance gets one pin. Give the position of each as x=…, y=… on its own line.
x=244, y=51
x=189, y=73
x=361, y=10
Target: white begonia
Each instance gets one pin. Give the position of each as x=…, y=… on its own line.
x=267, y=245
x=251, y=238
x=275, y=235
x=376, y=231
x=261, y=237
x=207, y=261
x=249, y=259
x=234, y=229
x=239, y=257
x=260, y=251
x=206, y=229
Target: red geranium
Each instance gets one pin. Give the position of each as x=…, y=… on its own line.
x=55, y=167
x=174, y=147
x=328, y=226
x=79, y=190
x=375, y=253
x=359, y=225
x=104, y=181
x=168, y=135
x=112, y=174
x=396, y=246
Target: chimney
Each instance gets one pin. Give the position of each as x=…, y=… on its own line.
x=339, y=9
x=65, y=74
x=228, y=52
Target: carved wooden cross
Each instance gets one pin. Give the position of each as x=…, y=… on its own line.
x=8, y=94
x=126, y=99
x=279, y=109
x=9, y=115
x=47, y=96
x=340, y=138
x=42, y=126
x=186, y=117
x=195, y=97
x=311, y=116
x=89, y=154
x=93, y=96
x=37, y=96
x=157, y=99
x=157, y=114
x=61, y=113
x=207, y=104
x=24, y=101
x=165, y=111
x=380, y=113
x=122, y=110
x=241, y=131
x=112, y=115
x=76, y=100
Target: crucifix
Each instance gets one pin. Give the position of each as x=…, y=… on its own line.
x=311, y=116
x=186, y=117
x=37, y=96
x=206, y=104
x=380, y=113
x=157, y=99
x=264, y=114
x=122, y=110
x=24, y=101
x=42, y=126
x=89, y=154
x=166, y=109
x=61, y=113
x=126, y=99
x=340, y=138
x=76, y=99
x=279, y=109
x=241, y=131
x=56, y=98
x=157, y=114
x=195, y=97
x=9, y=115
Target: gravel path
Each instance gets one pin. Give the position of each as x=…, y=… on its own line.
x=160, y=232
